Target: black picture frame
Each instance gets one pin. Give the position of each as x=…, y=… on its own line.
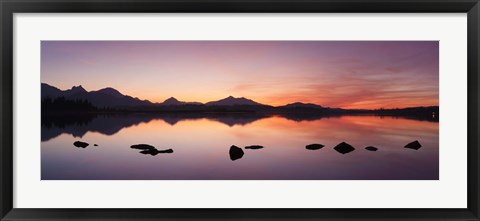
x=9, y=7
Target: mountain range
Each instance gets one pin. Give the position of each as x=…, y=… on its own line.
x=110, y=97
x=106, y=97
x=113, y=99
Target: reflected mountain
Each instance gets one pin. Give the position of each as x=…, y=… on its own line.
x=78, y=124
x=230, y=119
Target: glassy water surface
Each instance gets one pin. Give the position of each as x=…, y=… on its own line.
x=201, y=148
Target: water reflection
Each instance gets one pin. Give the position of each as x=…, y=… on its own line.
x=110, y=124
x=203, y=148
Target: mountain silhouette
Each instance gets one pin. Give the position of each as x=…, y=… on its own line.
x=302, y=105
x=110, y=97
x=75, y=90
x=110, y=100
x=104, y=98
x=174, y=102
x=110, y=91
x=50, y=91
x=232, y=101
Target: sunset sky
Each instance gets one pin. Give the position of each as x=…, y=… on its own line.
x=345, y=74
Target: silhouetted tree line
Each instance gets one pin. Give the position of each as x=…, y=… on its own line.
x=62, y=104
x=420, y=113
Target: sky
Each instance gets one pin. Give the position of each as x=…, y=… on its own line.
x=344, y=74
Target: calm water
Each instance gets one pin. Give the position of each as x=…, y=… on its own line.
x=201, y=148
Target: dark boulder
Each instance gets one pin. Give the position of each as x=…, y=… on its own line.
x=235, y=153
x=254, y=147
x=314, y=146
x=344, y=148
x=414, y=145
x=371, y=148
x=95, y=145
x=80, y=144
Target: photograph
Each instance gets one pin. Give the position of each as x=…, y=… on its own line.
x=239, y=110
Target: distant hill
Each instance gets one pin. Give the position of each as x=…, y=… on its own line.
x=110, y=91
x=50, y=91
x=232, y=101
x=302, y=105
x=174, y=102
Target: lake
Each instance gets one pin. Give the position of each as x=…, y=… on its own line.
x=201, y=148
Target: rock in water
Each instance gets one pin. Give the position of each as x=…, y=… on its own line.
x=143, y=147
x=344, y=148
x=151, y=152
x=95, y=145
x=154, y=152
x=166, y=151
x=254, y=147
x=235, y=153
x=371, y=148
x=80, y=144
x=314, y=146
x=414, y=145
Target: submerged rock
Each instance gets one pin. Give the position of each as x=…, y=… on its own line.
x=80, y=144
x=254, y=147
x=143, y=147
x=344, y=148
x=371, y=148
x=314, y=146
x=414, y=145
x=235, y=153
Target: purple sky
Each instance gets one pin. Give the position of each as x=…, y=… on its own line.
x=347, y=74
